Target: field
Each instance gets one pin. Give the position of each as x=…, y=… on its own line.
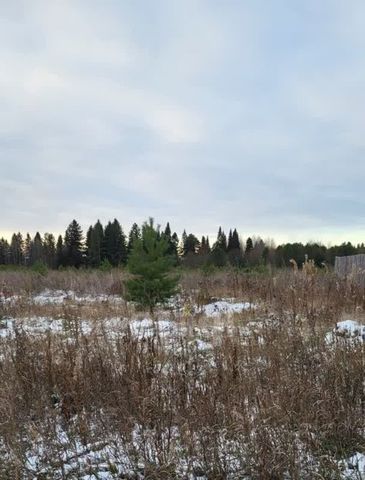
x=243, y=376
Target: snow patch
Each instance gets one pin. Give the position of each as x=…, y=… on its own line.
x=57, y=297
x=347, y=329
x=147, y=327
x=225, y=307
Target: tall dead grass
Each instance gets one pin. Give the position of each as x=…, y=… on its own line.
x=277, y=404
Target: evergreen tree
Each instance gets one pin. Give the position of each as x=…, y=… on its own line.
x=172, y=241
x=234, y=249
x=249, y=245
x=221, y=240
x=49, y=250
x=191, y=245
x=16, y=249
x=181, y=249
x=88, y=244
x=167, y=231
x=173, y=247
x=115, y=244
x=73, y=245
x=27, y=249
x=4, y=252
x=60, y=253
x=95, y=245
x=204, y=248
x=229, y=244
x=134, y=234
x=36, y=249
x=150, y=264
x=248, y=250
x=218, y=254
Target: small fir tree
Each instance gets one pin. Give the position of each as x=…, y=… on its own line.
x=150, y=264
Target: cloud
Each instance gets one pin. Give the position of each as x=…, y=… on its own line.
x=203, y=113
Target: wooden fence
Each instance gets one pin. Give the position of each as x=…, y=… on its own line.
x=352, y=266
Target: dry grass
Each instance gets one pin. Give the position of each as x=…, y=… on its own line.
x=273, y=404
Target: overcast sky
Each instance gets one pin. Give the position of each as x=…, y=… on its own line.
x=247, y=114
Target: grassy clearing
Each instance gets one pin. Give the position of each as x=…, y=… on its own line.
x=109, y=393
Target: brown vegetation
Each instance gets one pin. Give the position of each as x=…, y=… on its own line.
x=276, y=402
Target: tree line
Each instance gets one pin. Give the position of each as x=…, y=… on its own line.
x=108, y=246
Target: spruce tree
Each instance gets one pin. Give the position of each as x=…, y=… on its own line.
x=172, y=241
x=36, y=249
x=249, y=245
x=218, y=254
x=229, y=245
x=248, y=251
x=236, y=245
x=95, y=245
x=175, y=245
x=191, y=244
x=4, y=252
x=182, y=246
x=60, y=253
x=27, y=249
x=74, y=245
x=150, y=264
x=234, y=249
x=88, y=244
x=115, y=244
x=49, y=250
x=16, y=249
x=134, y=234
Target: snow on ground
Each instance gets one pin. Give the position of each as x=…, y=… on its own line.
x=347, y=329
x=225, y=306
x=59, y=296
x=148, y=327
x=40, y=325
x=353, y=467
x=113, y=457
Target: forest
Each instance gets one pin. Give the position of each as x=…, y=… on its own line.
x=109, y=246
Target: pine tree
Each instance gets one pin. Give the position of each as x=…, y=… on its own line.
x=167, y=231
x=249, y=245
x=150, y=264
x=16, y=249
x=95, y=245
x=221, y=240
x=134, y=234
x=4, y=252
x=27, y=249
x=218, y=254
x=248, y=250
x=49, y=250
x=88, y=244
x=175, y=245
x=236, y=244
x=172, y=241
x=229, y=245
x=115, y=244
x=181, y=249
x=60, y=253
x=36, y=249
x=234, y=249
x=204, y=248
x=73, y=245
x=191, y=245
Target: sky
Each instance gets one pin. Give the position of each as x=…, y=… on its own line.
x=239, y=113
